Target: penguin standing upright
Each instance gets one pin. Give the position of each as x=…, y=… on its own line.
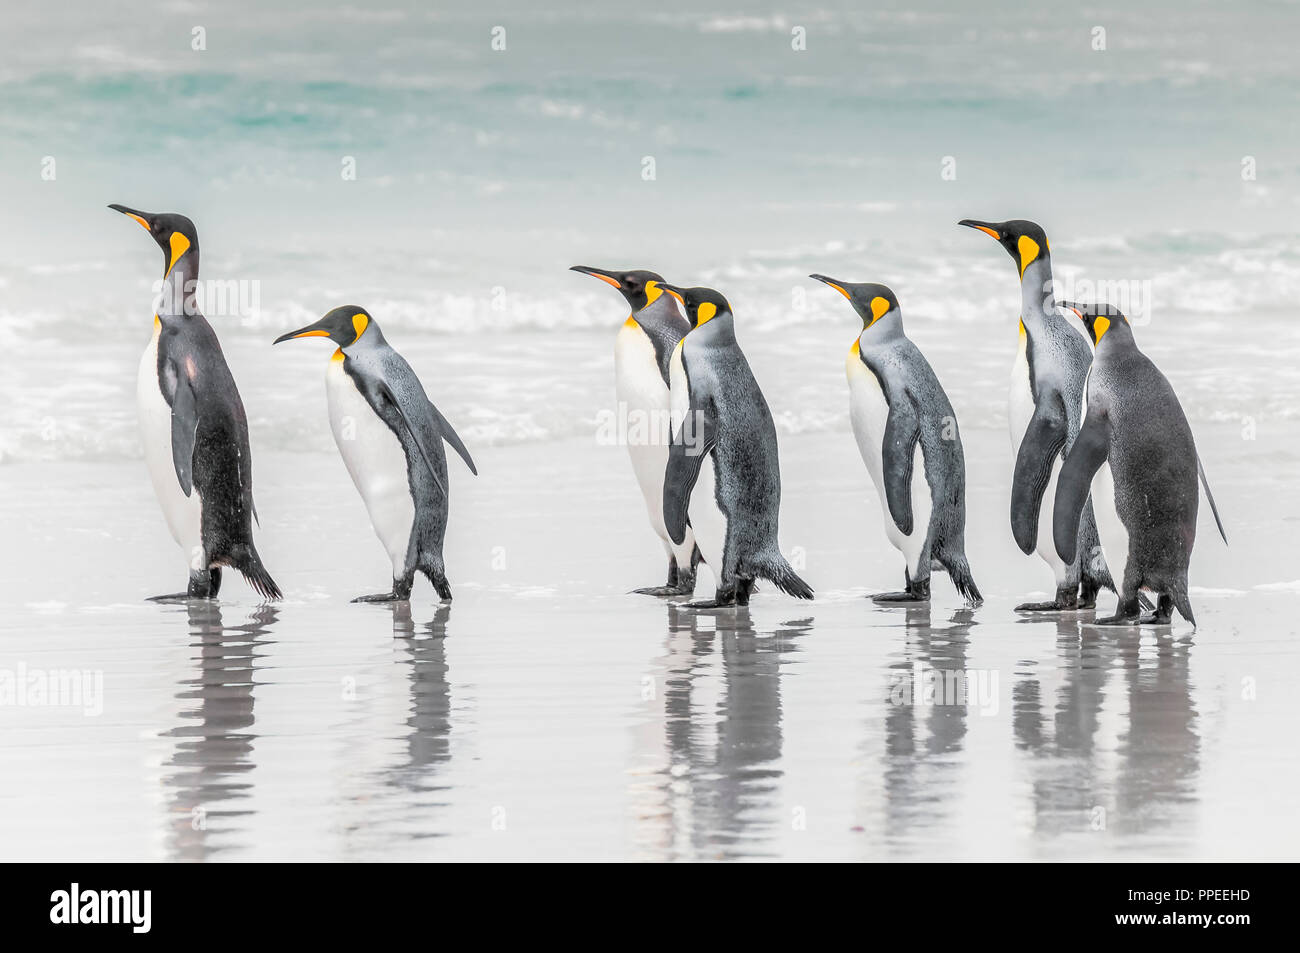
x=733, y=503
x=193, y=426
x=642, y=352
x=1044, y=413
x=1136, y=457
x=907, y=434
x=390, y=436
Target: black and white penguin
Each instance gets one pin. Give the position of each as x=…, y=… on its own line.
x=390, y=436
x=193, y=426
x=1044, y=413
x=733, y=504
x=907, y=434
x=1136, y=457
x=642, y=351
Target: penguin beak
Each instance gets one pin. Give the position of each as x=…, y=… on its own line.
x=145, y=219
x=674, y=291
x=837, y=285
x=985, y=227
x=310, y=331
x=605, y=276
x=1077, y=309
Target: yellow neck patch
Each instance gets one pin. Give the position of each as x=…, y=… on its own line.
x=1028, y=249
x=652, y=291
x=705, y=312
x=1100, y=326
x=857, y=346
x=338, y=355
x=359, y=324
x=180, y=245
x=879, y=308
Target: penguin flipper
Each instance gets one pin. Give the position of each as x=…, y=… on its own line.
x=1205, y=485
x=185, y=427
x=1074, y=485
x=683, y=470
x=449, y=434
x=1043, y=440
x=902, y=431
x=418, y=436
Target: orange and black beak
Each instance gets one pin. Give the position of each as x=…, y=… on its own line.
x=317, y=330
x=145, y=219
x=992, y=229
x=609, y=277
x=834, y=283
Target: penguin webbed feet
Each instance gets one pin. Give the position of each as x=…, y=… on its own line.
x=204, y=584
x=728, y=597
x=380, y=598
x=1067, y=600
x=917, y=591
x=681, y=582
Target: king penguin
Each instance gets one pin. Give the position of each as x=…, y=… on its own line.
x=642, y=351
x=193, y=426
x=1136, y=457
x=907, y=434
x=720, y=415
x=1044, y=414
x=390, y=436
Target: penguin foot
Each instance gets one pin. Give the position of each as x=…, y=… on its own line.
x=383, y=597
x=1066, y=601
x=663, y=591
x=1117, y=620
x=711, y=604
x=177, y=597
x=1155, y=618
x=900, y=598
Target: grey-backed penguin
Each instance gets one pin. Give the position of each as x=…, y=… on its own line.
x=193, y=426
x=1044, y=414
x=1136, y=457
x=642, y=352
x=907, y=434
x=390, y=436
x=720, y=417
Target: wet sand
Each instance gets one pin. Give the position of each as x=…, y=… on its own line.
x=548, y=715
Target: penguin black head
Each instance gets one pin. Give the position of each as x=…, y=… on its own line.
x=175, y=235
x=1097, y=318
x=638, y=287
x=702, y=304
x=871, y=301
x=344, y=326
x=1024, y=241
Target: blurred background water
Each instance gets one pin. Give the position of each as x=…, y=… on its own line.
x=482, y=174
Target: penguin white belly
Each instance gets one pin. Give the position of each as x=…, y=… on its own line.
x=707, y=519
x=869, y=413
x=376, y=461
x=1110, y=528
x=708, y=528
x=1020, y=411
x=644, y=398
x=184, y=514
x=1111, y=531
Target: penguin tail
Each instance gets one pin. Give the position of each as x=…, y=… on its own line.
x=959, y=572
x=1182, y=603
x=244, y=558
x=774, y=567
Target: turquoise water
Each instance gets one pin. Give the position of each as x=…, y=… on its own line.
x=482, y=174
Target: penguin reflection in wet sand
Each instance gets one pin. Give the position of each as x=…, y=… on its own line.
x=733, y=502
x=1136, y=456
x=641, y=354
x=907, y=435
x=193, y=426
x=1044, y=414
x=390, y=436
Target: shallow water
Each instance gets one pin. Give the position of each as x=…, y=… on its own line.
x=547, y=714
